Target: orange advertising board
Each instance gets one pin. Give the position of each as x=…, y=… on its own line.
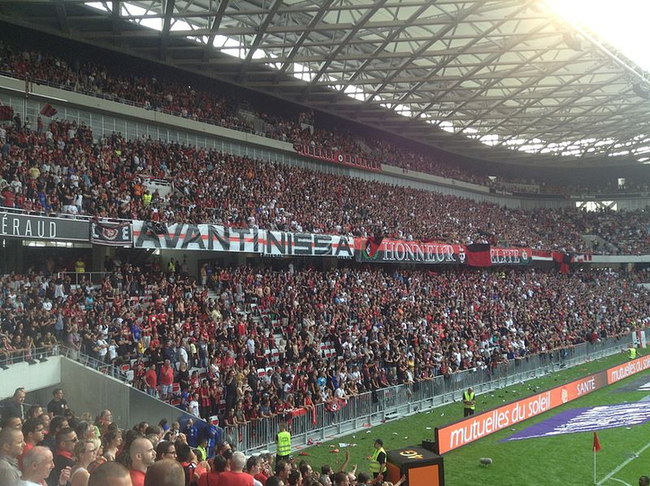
x=473, y=428
x=468, y=430
x=630, y=368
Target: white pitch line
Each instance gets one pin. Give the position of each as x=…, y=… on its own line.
x=623, y=464
x=621, y=481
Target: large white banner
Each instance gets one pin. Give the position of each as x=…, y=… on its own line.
x=281, y=243
x=212, y=237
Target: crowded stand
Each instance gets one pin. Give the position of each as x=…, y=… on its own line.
x=256, y=342
x=61, y=168
x=253, y=343
x=232, y=346
x=218, y=108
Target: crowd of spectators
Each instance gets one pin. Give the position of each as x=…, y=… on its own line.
x=269, y=341
x=53, y=446
x=217, y=107
x=252, y=342
x=60, y=167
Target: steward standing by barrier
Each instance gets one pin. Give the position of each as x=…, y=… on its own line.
x=469, y=402
x=282, y=444
x=378, y=459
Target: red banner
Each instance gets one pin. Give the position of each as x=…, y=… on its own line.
x=387, y=250
x=6, y=113
x=337, y=157
x=48, y=110
x=511, y=256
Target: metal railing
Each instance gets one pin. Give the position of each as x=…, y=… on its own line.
x=84, y=278
x=94, y=363
x=373, y=408
x=61, y=215
x=35, y=355
x=126, y=101
x=26, y=355
x=362, y=411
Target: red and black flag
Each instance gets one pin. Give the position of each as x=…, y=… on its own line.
x=563, y=261
x=48, y=110
x=478, y=255
x=372, y=245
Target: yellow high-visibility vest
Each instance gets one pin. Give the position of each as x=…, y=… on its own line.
x=283, y=443
x=79, y=266
x=469, y=397
x=375, y=467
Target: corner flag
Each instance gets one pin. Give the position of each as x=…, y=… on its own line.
x=596, y=443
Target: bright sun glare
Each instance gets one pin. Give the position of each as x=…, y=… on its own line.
x=620, y=23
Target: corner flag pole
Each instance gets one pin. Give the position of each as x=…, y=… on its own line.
x=594, y=466
x=595, y=448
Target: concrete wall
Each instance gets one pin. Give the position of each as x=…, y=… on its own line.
x=86, y=390
x=32, y=377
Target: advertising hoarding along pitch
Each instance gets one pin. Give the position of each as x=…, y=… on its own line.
x=468, y=430
x=630, y=368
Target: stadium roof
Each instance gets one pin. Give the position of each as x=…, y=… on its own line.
x=500, y=80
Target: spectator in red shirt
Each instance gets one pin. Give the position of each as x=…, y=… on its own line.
x=166, y=380
x=217, y=467
x=34, y=432
x=236, y=476
x=151, y=380
x=142, y=455
x=254, y=468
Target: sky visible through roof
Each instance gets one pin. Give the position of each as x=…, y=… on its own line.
x=617, y=26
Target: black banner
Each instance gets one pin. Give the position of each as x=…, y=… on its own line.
x=111, y=234
x=43, y=228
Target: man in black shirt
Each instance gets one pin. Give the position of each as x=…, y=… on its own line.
x=57, y=405
x=63, y=454
x=13, y=407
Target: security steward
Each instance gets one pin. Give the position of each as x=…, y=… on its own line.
x=282, y=444
x=378, y=459
x=469, y=402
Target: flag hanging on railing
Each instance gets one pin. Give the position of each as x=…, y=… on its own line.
x=478, y=255
x=335, y=405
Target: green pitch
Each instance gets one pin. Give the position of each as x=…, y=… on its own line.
x=560, y=460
